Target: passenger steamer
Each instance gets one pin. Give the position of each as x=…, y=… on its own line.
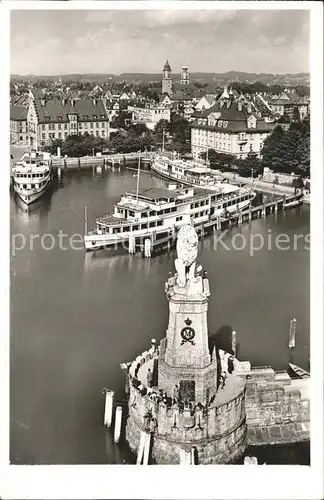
x=155, y=212
x=32, y=175
x=190, y=172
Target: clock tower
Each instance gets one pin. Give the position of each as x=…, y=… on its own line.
x=185, y=359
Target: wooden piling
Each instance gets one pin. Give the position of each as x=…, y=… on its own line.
x=108, y=407
x=118, y=422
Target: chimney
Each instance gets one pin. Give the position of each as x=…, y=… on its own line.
x=94, y=100
x=239, y=106
x=63, y=101
x=249, y=108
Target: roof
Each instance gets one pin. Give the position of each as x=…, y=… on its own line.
x=18, y=113
x=155, y=193
x=167, y=66
x=237, y=119
x=54, y=110
x=281, y=102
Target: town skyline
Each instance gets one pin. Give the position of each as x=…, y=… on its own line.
x=113, y=42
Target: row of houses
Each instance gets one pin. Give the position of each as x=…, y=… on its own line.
x=46, y=120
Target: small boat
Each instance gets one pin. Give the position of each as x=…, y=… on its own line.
x=32, y=175
x=292, y=204
x=299, y=372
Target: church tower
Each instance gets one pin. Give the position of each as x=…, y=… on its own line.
x=167, y=79
x=184, y=76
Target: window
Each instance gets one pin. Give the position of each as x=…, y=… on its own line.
x=60, y=135
x=143, y=215
x=125, y=229
x=179, y=218
x=65, y=126
x=159, y=222
x=144, y=226
x=43, y=135
x=91, y=125
x=115, y=230
x=59, y=126
x=102, y=125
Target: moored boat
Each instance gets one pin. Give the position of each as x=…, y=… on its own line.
x=298, y=371
x=31, y=176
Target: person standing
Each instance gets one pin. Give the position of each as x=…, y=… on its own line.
x=149, y=378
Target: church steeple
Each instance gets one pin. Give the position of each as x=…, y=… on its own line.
x=167, y=79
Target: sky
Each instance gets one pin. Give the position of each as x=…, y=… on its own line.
x=90, y=41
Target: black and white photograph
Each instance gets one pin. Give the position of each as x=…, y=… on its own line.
x=164, y=303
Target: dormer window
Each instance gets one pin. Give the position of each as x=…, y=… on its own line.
x=47, y=118
x=85, y=117
x=94, y=117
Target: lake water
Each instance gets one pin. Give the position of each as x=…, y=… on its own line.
x=75, y=317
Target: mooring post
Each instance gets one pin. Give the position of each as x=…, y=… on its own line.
x=240, y=218
x=292, y=333
x=218, y=223
x=276, y=207
x=118, y=422
x=263, y=211
x=250, y=213
x=147, y=247
x=108, y=407
x=131, y=244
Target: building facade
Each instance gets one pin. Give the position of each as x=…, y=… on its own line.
x=149, y=115
x=56, y=119
x=18, y=125
x=229, y=127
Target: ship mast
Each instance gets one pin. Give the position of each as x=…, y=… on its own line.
x=162, y=140
x=138, y=176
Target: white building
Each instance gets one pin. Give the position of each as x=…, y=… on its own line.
x=229, y=127
x=150, y=115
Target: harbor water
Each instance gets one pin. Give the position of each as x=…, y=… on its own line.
x=75, y=316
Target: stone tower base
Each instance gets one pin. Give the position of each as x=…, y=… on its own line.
x=225, y=450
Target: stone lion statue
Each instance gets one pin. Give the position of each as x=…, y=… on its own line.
x=187, y=251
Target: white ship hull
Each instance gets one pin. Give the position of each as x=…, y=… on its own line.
x=29, y=196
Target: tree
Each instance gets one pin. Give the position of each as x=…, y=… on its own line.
x=288, y=152
x=217, y=160
x=296, y=115
x=120, y=121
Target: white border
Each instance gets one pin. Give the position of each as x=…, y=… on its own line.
x=210, y=482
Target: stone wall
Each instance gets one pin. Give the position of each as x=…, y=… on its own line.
x=276, y=411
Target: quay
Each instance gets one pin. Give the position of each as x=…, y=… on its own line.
x=150, y=244
x=117, y=159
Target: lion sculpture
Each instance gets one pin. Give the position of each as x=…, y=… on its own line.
x=187, y=251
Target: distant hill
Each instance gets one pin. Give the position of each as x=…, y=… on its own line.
x=221, y=78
